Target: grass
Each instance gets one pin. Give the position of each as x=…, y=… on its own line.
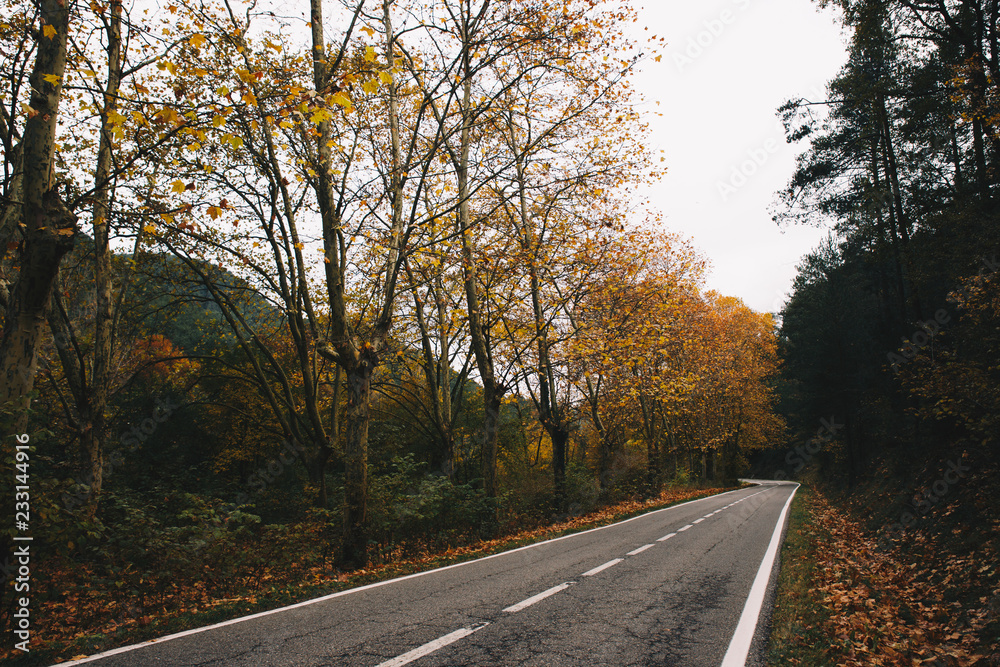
x=796, y=624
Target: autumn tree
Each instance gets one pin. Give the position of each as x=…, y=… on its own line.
x=32, y=201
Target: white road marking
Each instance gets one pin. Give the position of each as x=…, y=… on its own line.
x=698, y=520
x=681, y=530
x=602, y=568
x=524, y=604
x=636, y=552
x=430, y=647
x=377, y=584
x=666, y=537
x=739, y=646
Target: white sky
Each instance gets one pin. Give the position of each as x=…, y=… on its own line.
x=718, y=108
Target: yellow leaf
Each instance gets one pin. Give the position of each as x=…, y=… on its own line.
x=657, y=58
x=286, y=124
x=214, y=212
x=369, y=54
x=178, y=186
x=88, y=72
x=298, y=246
x=370, y=86
x=385, y=77
x=320, y=116
x=49, y=31
x=368, y=31
x=342, y=99
x=54, y=79
x=197, y=40
x=149, y=229
x=218, y=121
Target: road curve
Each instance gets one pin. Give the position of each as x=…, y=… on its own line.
x=669, y=587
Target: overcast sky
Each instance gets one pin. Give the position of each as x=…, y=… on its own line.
x=726, y=68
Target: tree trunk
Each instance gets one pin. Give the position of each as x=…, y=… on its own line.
x=560, y=438
x=444, y=384
x=356, y=419
x=104, y=315
x=493, y=391
x=492, y=400
x=49, y=227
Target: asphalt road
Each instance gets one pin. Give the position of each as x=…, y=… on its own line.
x=666, y=588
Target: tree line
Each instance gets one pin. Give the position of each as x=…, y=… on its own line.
x=892, y=322
x=388, y=274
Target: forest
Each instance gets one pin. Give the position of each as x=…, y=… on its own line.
x=291, y=297
x=891, y=330
x=289, y=301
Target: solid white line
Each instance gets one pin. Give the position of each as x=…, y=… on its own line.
x=636, y=552
x=698, y=520
x=351, y=591
x=430, y=647
x=666, y=537
x=524, y=604
x=681, y=530
x=739, y=647
x=601, y=568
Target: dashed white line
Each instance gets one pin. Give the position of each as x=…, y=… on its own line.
x=698, y=520
x=636, y=552
x=523, y=604
x=602, y=568
x=681, y=530
x=379, y=584
x=430, y=647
